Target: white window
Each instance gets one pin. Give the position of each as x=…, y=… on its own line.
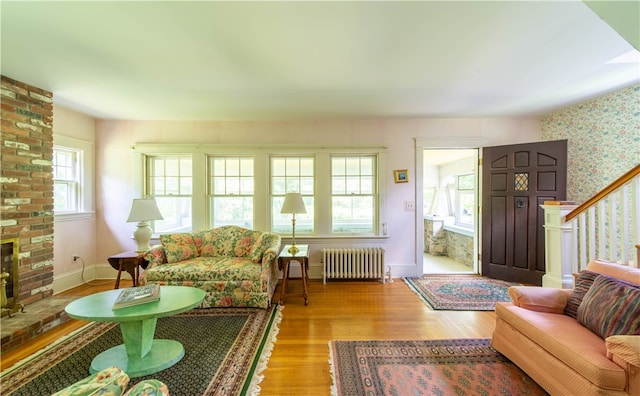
x=465, y=200
x=353, y=194
x=207, y=186
x=292, y=174
x=231, y=191
x=66, y=180
x=170, y=182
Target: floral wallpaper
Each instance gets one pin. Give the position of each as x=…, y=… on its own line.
x=603, y=140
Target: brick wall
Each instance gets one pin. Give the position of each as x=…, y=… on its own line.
x=26, y=184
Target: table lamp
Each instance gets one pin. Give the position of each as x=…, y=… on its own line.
x=293, y=204
x=143, y=211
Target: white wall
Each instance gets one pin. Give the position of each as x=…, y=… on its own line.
x=74, y=234
x=118, y=180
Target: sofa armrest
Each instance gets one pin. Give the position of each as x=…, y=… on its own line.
x=269, y=256
x=155, y=256
x=625, y=347
x=540, y=299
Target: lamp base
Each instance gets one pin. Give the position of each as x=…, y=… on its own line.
x=293, y=249
x=142, y=235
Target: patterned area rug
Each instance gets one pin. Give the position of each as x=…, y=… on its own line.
x=461, y=292
x=429, y=367
x=225, y=351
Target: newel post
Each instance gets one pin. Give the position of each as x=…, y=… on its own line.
x=558, y=236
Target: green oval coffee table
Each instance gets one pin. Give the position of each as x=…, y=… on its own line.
x=140, y=354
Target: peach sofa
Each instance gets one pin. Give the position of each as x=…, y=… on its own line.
x=544, y=331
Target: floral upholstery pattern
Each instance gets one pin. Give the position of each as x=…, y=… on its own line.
x=108, y=382
x=113, y=381
x=235, y=266
x=151, y=387
x=178, y=247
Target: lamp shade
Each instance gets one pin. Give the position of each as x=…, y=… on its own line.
x=293, y=203
x=144, y=210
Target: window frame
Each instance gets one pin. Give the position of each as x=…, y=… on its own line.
x=150, y=193
x=464, y=192
x=373, y=194
x=211, y=188
x=84, y=167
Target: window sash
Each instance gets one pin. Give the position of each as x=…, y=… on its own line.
x=292, y=174
x=66, y=183
x=170, y=183
x=353, y=194
x=231, y=191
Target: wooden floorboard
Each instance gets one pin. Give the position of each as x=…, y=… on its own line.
x=339, y=310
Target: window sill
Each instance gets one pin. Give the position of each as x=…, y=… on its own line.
x=459, y=230
x=62, y=217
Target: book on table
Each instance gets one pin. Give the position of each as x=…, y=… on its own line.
x=137, y=295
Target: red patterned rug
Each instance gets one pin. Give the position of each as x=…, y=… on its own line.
x=460, y=292
x=460, y=367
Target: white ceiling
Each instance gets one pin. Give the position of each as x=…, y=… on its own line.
x=208, y=60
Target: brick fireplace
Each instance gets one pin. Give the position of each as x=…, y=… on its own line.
x=26, y=185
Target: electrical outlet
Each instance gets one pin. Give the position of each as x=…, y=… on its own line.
x=409, y=206
x=74, y=257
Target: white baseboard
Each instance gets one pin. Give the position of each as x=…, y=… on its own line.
x=76, y=278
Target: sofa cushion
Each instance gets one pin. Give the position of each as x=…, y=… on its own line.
x=226, y=241
x=195, y=271
x=541, y=299
x=178, y=247
x=567, y=340
x=611, y=307
x=583, y=283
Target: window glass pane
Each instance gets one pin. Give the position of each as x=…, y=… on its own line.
x=466, y=208
x=171, y=167
x=293, y=167
x=278, y=167
x=352, y=214
x=246, y=167
x=306, y=185
x=338, y=185
x=278, y=185
x=176, y=214
x=218, y=166
x=185, y=167
x=353, y=166
x=466, y=182
x=233, y=211
x=246, y=186
x=282, y=221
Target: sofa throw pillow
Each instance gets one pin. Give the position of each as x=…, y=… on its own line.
x=611, y=307
x=178, y=247
x=583, y=283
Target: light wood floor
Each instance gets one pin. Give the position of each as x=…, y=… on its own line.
x=299, y=364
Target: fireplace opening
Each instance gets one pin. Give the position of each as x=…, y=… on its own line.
x=9, y=276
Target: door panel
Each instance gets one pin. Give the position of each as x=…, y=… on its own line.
x=517, y=179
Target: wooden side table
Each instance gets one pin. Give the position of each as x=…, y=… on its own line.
x=285, y=258
x=128, y=261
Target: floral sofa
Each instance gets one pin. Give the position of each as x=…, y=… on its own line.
x=580, y=341
x=235, y=266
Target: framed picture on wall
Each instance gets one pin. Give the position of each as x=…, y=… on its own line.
x=401, y=175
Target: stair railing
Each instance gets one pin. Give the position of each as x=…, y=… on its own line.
x=606, y=226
